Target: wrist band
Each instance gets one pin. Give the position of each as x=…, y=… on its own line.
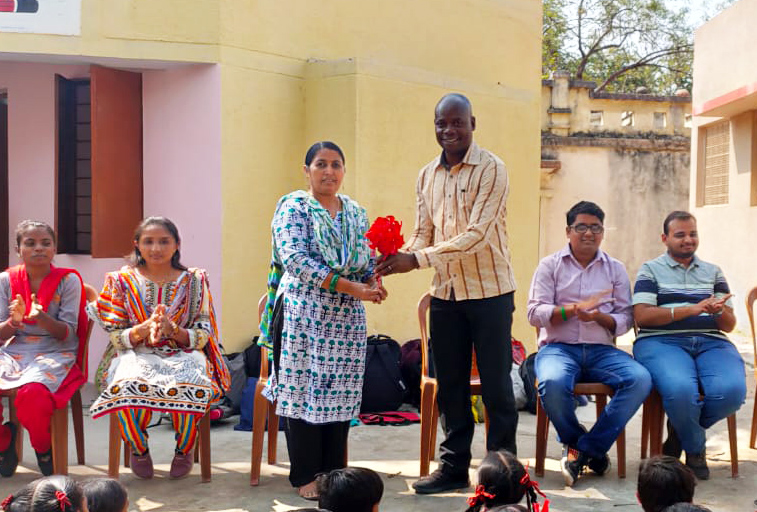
x=15, y=325
x=562, y=312
x=672, y=314
x=332, y=283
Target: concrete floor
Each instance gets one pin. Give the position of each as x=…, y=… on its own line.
x=393, y=452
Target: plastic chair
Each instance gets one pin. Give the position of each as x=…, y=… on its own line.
x=59, y=420
x=262, y=409
x=651, y=431
x=750, y=310
x=429, y=408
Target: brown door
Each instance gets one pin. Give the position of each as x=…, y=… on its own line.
x=116, y=160
x=4, y=181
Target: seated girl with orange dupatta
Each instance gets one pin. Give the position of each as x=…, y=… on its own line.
x=164, y=353
x=43, y=328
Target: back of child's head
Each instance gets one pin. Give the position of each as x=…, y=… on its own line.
x=686, y=507
x=664, y=481
x=19, y=501
x=350, y=490
x=502, y=480
x=105, y=495
x=55, y=493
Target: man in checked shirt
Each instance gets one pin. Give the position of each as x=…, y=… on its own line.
x=460, y=230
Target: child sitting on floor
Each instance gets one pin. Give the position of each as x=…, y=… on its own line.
x=52, y=494
x=664, y=481
x=502, y=483
x=350, y=490
x=105, y=495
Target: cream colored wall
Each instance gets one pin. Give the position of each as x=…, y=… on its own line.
x=731, y=225
x=582, y=104
x=374, y=78
x=724, y=52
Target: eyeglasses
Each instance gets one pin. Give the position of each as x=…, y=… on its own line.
x=583, y=228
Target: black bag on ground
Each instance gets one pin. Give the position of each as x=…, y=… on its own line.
x=528, y=374
x=383, y=389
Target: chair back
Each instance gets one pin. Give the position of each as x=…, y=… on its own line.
x=263, y=351
x=750, y=298
x=423, y=305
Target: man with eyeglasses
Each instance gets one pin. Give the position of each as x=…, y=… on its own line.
x=683, y=308
x=580, y=299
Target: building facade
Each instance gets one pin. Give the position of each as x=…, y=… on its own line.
x=202, y=112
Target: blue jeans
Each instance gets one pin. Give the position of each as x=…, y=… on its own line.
x=559, y=366
x=685, y=366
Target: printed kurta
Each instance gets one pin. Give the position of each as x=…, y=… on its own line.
x=163, y=378
x=34, y=355
x=323, y=339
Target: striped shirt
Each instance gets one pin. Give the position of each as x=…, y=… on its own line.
x=460, y=227
x=665, y=283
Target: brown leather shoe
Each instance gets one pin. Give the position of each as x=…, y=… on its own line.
x=181, y=465
x=141, y=465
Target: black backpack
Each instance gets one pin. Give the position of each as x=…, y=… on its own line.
x=528, y=375
x=383, y=389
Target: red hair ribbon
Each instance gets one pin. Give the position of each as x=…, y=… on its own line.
x=531, y=484
x=63, y=500
x=479, y=496
x=7, y=502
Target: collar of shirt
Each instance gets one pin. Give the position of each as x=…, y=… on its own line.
x=567, y=253
x=472, y=157
x=673, y=263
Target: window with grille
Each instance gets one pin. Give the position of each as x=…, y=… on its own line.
x=716, y=144
x=74, y=167
x=596, y=118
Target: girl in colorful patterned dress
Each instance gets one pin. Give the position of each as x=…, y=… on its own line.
x=321, y=272
x=164, y=353
x=43, y=330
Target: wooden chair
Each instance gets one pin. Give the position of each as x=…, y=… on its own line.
x=653, y=417
x=750, y=310
x=429, y=407
x=601, y=392
x=262, y=409
x=59, y=420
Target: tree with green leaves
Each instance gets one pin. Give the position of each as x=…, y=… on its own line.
x=620, y=44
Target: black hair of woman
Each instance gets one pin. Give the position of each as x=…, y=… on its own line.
x=502, y=480
x=135, y=258
x=315, y=148
x=105, y=495
x=55, y=493
x=350, y=490
x=25, y=225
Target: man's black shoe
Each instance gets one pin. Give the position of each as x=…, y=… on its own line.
x=45, y=462
x=600, y=465
x=439, y=481
x=9, y=457
x=697, y=462
x=672, y=445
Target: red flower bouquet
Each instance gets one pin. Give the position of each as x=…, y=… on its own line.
x=384, y=235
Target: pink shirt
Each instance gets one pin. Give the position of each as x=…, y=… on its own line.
x=560, y=279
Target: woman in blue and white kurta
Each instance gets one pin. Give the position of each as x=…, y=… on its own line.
x=324, y=271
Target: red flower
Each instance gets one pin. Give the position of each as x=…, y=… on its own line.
x=384, y=235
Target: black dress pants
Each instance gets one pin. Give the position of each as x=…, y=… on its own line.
x=315, y=449
x=456, y=328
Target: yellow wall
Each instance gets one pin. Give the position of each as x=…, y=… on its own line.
x=364, y=74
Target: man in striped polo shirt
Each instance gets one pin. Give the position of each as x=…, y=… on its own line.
x=682, y=306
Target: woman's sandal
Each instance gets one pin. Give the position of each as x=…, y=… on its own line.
x=308, y=491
